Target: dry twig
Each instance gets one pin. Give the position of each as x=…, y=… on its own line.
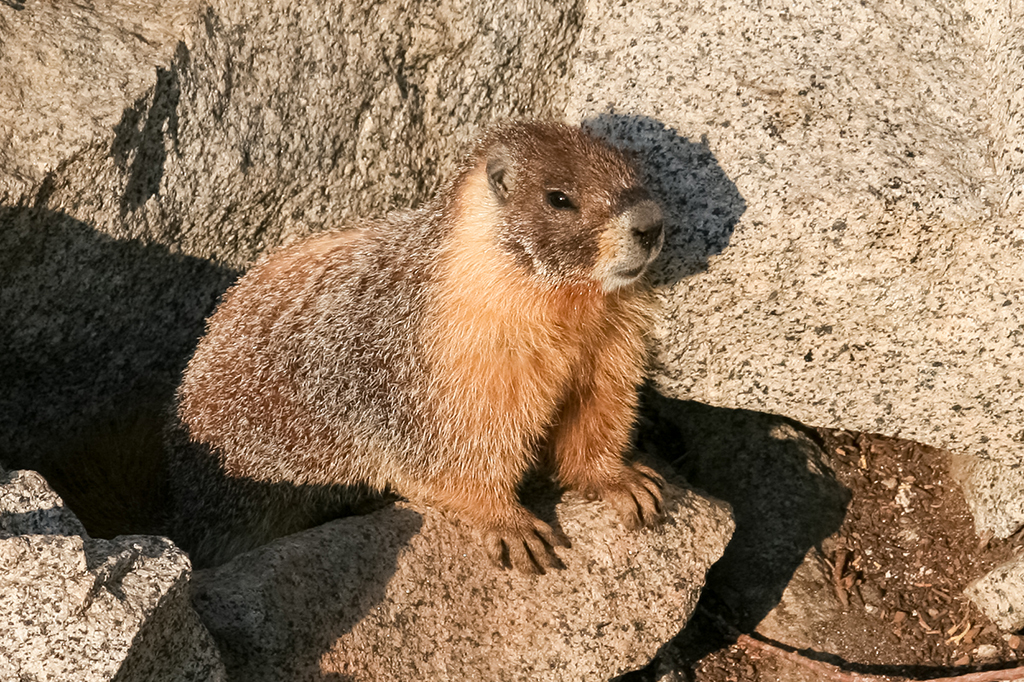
x=837, y=576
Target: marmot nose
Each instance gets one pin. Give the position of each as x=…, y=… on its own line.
x=648, y=235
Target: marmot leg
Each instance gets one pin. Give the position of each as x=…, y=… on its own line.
x=588, y=442
x=512, y=536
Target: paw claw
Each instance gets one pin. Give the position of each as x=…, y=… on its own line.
x=637, y=496
x=525, y=544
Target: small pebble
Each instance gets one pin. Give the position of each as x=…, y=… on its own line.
x=986, y=652
x=871, y=594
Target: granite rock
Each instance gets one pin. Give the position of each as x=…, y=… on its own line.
x=72, y=607
x=786, y=503
x=28, y=506
x=873, y=276
x=68, y=73
x=1000, y=595
x=408, y=594
x=785, y=499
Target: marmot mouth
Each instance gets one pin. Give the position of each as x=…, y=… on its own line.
x=634, y=272
x=623, y=278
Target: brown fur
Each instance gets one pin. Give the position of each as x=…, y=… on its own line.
x=440, y=353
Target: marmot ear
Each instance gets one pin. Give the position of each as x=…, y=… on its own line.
x=499, y=174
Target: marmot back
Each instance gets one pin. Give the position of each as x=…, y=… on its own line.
x=437, y=353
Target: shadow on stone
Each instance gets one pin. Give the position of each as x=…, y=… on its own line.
x=215, y=516
x=140, y=148
x=308, y=590
x=784, y=497
x=701, y=204
x=96, y=333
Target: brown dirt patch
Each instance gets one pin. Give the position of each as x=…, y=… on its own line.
x=898, y=566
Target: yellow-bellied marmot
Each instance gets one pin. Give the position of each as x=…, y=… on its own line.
x=438, y=353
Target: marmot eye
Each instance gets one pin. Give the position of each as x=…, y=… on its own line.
x=560, y=201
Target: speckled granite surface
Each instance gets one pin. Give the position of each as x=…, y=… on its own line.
x=1000, y=595
x=405, y=594
x=863, y=162
x=76, y=608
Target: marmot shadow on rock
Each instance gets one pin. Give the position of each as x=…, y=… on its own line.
x=437, y=353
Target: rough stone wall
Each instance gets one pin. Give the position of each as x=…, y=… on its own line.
x=872, y=278
x=68, y=72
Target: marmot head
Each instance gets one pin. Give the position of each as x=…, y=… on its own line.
x=570, y=208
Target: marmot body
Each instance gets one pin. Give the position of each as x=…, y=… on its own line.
x=438, y=353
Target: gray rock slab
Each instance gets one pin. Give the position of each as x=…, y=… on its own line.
x=70, y=71
x=1000, y=595
x=844, y=185
x=993, y=485
x=407, y=594
x=786, y=502
x=28, y=506
x=75, y=608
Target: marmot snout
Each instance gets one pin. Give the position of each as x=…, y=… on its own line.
x=439, y=353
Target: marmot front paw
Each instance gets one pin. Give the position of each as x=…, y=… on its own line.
x=524, y=543
x=635, y=495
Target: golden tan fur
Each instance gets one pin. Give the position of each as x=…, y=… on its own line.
x=440, y=354
x=516, y=358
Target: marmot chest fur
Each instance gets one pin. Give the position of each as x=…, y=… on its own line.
x=439, y=353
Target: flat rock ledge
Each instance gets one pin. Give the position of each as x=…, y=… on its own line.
x=74, y=608
x=402, y=593
x=407, y=594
